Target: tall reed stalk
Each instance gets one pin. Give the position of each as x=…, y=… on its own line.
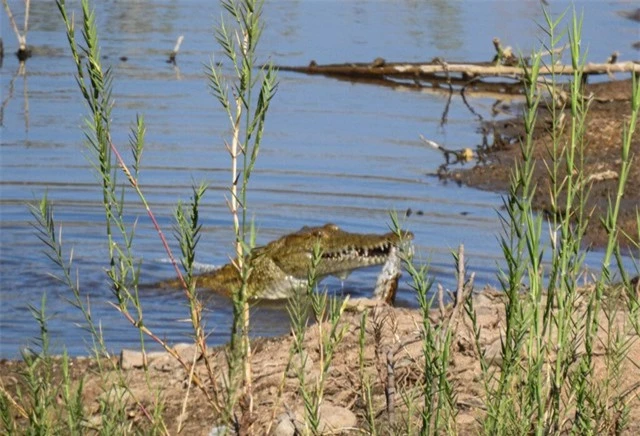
x=246, y=115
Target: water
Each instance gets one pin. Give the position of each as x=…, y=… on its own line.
x=333, y=151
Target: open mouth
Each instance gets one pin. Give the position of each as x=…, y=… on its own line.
x=376, y=253
x=373, y=252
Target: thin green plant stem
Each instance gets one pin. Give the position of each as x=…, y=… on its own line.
x=95, y=85
x=246, y=119
x=133, y=182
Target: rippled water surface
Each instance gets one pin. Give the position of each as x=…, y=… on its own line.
x=333, y=151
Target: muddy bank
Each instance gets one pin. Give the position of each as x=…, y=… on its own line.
x=608, y=113
x=392, y=356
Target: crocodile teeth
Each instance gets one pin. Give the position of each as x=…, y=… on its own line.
x=371, y=254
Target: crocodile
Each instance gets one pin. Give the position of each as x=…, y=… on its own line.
x=280, y=268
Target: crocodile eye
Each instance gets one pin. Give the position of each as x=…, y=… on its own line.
x=332, y=227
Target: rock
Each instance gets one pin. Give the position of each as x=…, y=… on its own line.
x=297, y=361
x=493, y=352
x=164, y=363
x=359, y=305
x=188, y=351
x=130, y=359
x=333, y=420
x=221, y=430
x=159, y=360
x=285, y=426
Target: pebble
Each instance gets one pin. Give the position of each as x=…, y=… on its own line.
x=160, y=360
x=333, y=419
x=297, y=361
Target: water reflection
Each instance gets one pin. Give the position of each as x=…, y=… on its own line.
x=444, y=24
x=20, y=72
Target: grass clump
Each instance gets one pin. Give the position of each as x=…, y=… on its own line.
x=546, y=383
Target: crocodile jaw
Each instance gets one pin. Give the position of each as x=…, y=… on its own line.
x=281, y=268
x=341, y=263
x=341, y=253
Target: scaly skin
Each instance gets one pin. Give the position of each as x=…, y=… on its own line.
x=280, y=268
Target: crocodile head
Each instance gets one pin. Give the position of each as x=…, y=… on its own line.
x=280, y=268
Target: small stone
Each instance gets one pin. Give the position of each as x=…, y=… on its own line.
x=130, y=359
x=165, y=363
x=333, y=420
x=94, y=422
x=359, y=305
x=285, y=426
x=188, y=351
x=493, y=353
x=296, y=363
x=221, y=430
x=336, y=418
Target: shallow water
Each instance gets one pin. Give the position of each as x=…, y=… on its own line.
x=333, y=151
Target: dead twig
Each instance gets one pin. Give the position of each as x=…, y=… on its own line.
x=463, y=90
x=24, y=52
x=176, y=48
x=441, y=306
x=463, y=291
x=390, y=389
x=183, y=411
x=13, y=402
x=463, y=155
x=599, y=177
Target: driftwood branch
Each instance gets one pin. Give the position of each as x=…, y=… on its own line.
x=419, y=70
x=469, y=76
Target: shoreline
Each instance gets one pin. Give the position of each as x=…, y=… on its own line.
x=610, y=108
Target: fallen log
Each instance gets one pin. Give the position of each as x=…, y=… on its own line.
x=379, y=68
